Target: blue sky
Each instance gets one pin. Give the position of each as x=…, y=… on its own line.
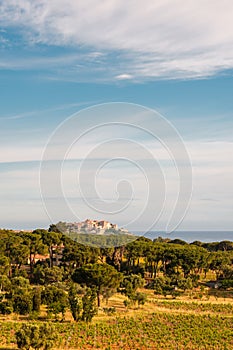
x=59, y=57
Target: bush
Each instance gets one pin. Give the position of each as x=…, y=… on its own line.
x=6, y=308
x=226, y=283
x=109, y=310
x=22, y=303
x=162, y=286
x=36, y=336
x=185, y=283
x=141, y=298
x=127, y=303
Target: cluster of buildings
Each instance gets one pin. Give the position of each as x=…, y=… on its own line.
x=91, y=226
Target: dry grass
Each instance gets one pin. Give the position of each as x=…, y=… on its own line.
x=117, y=301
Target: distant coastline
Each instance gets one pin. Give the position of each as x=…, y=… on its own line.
x=190, y=236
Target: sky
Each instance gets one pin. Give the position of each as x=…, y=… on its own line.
x=60, y=57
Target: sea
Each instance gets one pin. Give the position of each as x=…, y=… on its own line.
x=190, y=236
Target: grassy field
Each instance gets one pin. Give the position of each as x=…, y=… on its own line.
x=159, y=324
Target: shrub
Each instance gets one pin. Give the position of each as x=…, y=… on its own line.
x=6, y=308
x=127, y=302
x=109, y=310
x=22, y=303
x=36, y=336
x=141, y=298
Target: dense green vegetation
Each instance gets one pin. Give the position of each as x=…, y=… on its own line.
x=105, y=241
x=70, y=278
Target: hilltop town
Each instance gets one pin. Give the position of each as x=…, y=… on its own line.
x=90, y=226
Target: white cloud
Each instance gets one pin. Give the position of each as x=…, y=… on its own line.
x=124, y=77
x=164, y=38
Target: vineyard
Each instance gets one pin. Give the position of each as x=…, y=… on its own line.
x=160, y=330
x=224, y=309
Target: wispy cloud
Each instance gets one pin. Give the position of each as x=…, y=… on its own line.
x=127, y=40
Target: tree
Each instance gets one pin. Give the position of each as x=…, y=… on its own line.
x=75, y=302
x=19, y=283
x=4, y=265
x=52, y=275
x=162, y=286
x=36, y=299
x=177, y=241
x=21, y=295
x=100, y=276
x=5, y=284
x=56, y=300
x=34, y=242
x=225, y=246
x=114, y=256
x=47, y=275
x=23, y=337
x=153, y=253
x=15, y=250
x=76, y=255
x=6, y=307
x=50, y=239
x=192, y=259
x=89, y=302
x=22, y=303
x=219, y=261
x=130, y=284
x=134, y=251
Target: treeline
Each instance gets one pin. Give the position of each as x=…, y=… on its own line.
x=78, y=277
